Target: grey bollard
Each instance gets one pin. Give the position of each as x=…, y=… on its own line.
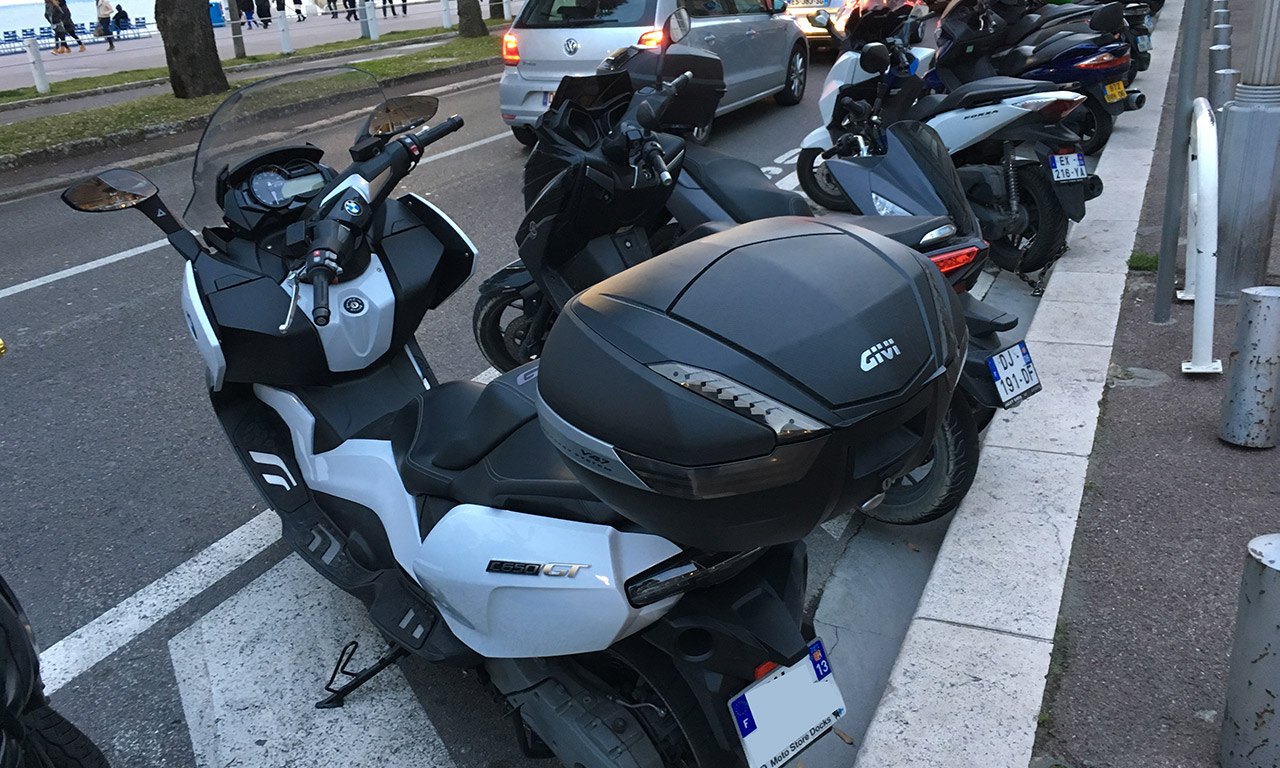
x=371, y=15
x=1221, y=34
x=37, y=66
x=1250, y=403
x=1249, y=186
x=1250, y=730
x=1216, y=5
x=1219, y=16
x=1219, y=58
x=286, y=45
x=1222, y=88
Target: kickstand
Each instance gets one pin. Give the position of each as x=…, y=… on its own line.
x=340, y=693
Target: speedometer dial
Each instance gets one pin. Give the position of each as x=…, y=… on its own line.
x=267, y=186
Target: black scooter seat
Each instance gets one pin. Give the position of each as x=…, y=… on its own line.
x=482, y=444
x=1050, y=14
x=988, y=90
x=744, y=192
x=1025, y=58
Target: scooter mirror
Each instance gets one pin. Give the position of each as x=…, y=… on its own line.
x=676, y=28
x=401, y=113
x=111, y=190
x=820, y=19
x=874, y=58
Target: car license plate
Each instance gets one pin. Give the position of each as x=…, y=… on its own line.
x=1144, y=43
x=1068, y=166
x=547, y=97
x=807, y=3
x=784, y=712
x=1115, y=91
x=1014, y=374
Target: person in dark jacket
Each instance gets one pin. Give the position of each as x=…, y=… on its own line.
x=264, y=12
x=121, y=19
x=246, y=10
x=68, y=25
x=297, y=9
x=350, y=5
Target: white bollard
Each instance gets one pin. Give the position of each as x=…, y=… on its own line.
x=1251, y=404
x=1202, y=235
x=446, y=15
x=370, y=10
x=37, y=66
x=1249, y=725
x=506, y=9
x=286, y=45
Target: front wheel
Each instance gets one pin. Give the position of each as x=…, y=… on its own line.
x=1045, y=234
x=939, y=485
x=797, y=73
x=58, y=741
x=524, y=134
x=818, y=183
x=501, y=323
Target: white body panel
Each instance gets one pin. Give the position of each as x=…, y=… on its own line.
x=363, y=471
x=568, y=597
x=202, y=330
x=846, y=71
x=353, y=340
x=962, y=128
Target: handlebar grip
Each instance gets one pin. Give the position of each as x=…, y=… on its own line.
x=430, y=135
x=320, y=298
x=681, y=81
x=659, y=166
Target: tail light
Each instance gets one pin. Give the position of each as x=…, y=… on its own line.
x=510, y=50
x=1052, y=107
x=764, y=669
x=1103, y=61
x=952, y=260
x=651, y=39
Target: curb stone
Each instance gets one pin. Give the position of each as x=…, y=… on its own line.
x=127, y=138
x=294, y=59
x=968, y=683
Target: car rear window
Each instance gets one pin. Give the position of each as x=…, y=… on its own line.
x=587, y=13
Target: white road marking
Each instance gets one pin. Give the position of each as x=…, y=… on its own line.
x=468, y=85
x=771, y=170
x=251, y=670
x=81, y=650
x=790, y=182
x=787, y=157
x=71, y=271
x=487, y=375
x=465, y=147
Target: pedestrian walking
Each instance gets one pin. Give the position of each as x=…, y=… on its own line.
x=69, y=26
x=264, y=12
x=332, y=6
x=386, y=3
x=404, y=7
x=53, y=15
x=121, y=19
x=297, y=8
x=350, y=5
x=104, y=24
x=246, y=10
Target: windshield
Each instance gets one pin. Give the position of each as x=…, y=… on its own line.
x=925, y=147
x=587, y=13
x=327, y=107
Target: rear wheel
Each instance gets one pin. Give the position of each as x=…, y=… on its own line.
x=1093, y=123
x=1046, y=232
x=524, y=134
x=797, y=73
x=500, y=323
x=55, y=739
x=939, y=485
x=818, y=183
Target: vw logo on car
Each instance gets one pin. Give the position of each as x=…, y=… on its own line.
x=571, y=46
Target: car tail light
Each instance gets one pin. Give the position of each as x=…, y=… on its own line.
x=1052, y=107
x=510, y=50
x=651, y=39
x=1103, y=61
x=952, y=260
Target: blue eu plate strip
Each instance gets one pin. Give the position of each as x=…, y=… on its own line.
x=742, y=716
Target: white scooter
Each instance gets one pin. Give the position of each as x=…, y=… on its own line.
x=1022, y=170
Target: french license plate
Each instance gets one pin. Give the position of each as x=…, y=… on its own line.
x=1014, y=374
x=784, y=712
x=1068, y=166
x=1144, y=43
x=807, y=3
x=1115, y=91
x=547, y=96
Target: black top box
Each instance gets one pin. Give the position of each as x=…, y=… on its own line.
x=747, y=386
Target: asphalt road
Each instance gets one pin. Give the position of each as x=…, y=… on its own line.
x=116, y=474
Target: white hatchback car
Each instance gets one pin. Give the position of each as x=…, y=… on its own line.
x=763, y=51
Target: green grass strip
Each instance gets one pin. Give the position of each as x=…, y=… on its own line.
x=46, y=132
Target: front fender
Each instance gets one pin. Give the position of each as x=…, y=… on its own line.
x=818, y=138
x=513, y=277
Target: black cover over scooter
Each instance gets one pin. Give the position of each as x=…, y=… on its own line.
x=855, y=339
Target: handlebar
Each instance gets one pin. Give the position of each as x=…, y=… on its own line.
x=658, y=164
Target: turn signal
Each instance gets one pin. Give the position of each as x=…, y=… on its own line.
x=953, y=260
x=651, y=39
x=510, y=50
x=765, y=669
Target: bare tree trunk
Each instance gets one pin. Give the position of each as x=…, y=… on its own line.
x=470, y=21
x=194, y=67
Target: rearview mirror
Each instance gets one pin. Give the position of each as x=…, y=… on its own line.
x=111, y=190
x=401, y=113
x=820, y=19
x=1108, y=18
x=874, y=58
x=676, y=28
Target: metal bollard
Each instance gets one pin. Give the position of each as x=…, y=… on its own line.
x=1250, y=403
x=1216, y=5
x=370, y=13
x=1250, y=730
x=1219, y=58
x=286, y=45
x=37, y=66
x=1222, y=88
x=1250, y=186
x=506, y=9
x=1219, y=16
x=1221, y=34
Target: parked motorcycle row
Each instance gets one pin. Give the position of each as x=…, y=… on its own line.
x=696, y=370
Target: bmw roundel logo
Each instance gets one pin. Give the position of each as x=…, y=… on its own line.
x=352, y=207
x=571, y=46
x=354, y=305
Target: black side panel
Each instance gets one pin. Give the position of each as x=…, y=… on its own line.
x=363, y=407
x=251, y=426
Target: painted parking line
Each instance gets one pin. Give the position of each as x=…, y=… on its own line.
x=72, y=271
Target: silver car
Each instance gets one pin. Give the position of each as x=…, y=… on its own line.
x=763, y=51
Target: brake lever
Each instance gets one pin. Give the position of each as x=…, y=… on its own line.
x=293, y=304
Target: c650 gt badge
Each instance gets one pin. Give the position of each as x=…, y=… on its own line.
x=567, y=570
